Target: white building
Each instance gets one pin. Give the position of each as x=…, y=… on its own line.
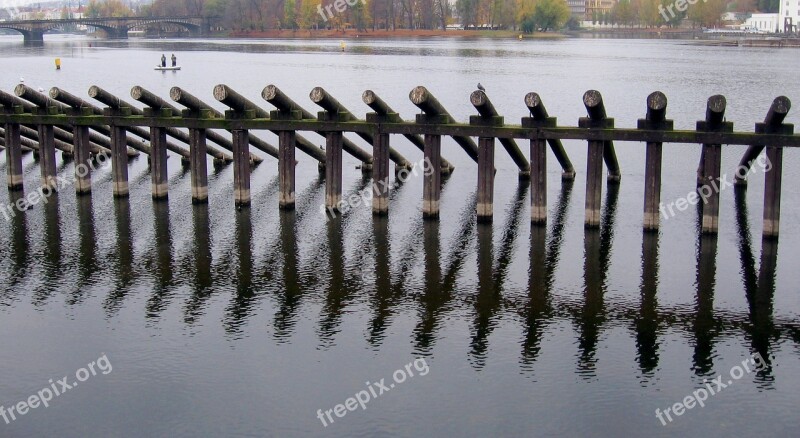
x=764, y=22
x=789, y=16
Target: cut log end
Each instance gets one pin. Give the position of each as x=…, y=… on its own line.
x=717, y=103
x=592, y=98
x=419, y=95
x=54, y=93
x=270, y=92
x=478, y=98
x=781, y=105
x=20, y=90
x=657, y=101
x=137, y=92
x=533, y=100
x=175, y=93
x=368, y=97
x=220, y=92
x=317, y=95
x=94, y=90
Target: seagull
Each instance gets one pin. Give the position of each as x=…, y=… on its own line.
x=480, y=87
x=21, y=80
x=41, y=90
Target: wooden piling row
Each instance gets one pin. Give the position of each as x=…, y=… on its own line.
x=35, y=121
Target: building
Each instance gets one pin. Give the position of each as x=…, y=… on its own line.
x=577, y=8
x=596, y=8
x=789, y=15
x=763, y=23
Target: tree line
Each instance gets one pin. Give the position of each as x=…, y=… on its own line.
x=365, y=15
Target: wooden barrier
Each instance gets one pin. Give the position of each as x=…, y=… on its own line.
x=33, y=121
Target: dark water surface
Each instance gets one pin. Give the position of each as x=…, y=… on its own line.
x=220, y=322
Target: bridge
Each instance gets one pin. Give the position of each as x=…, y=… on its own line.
x=34, y=30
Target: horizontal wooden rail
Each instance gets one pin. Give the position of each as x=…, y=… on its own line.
x=411, y=128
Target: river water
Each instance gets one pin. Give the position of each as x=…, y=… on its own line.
x=220, y=322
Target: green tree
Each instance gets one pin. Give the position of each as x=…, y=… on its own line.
x=550, y=14
x=289, y=14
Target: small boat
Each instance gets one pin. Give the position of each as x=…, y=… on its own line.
x=176, y=68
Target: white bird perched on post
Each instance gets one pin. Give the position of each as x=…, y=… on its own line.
x=480, y=87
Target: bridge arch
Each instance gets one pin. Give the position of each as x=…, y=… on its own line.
x=190, y=25
x=28, y=34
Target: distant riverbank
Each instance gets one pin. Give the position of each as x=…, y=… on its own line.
x=397, y=33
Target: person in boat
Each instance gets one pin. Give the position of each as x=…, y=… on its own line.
x=163, y=60
x=174, y=60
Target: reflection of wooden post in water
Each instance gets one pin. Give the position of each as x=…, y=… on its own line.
x=202, y=241
x=289, y=299
x=544, y=260
x=592, y=314
x=655, y=120
x=163, y=239
x=704, y=329
x=647, y=322
x=51, y=268
x=337, y=293
x=538, y=290
x=384, y=292
x=487, y=300
x=87, y=244
x=244, y=250
x=19, y=238
x=710, y=159
x=761, y=306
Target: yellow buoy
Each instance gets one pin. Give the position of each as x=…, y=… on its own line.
x=58, y=63
x=520, y=36
x=342, y=45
